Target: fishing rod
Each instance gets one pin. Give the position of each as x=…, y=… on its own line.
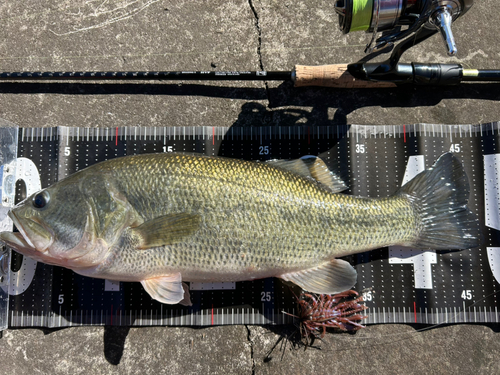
x=406, y=22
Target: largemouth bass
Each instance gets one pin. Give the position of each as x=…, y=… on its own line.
x=162, y=219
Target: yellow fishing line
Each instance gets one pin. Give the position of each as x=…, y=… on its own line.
x=362, y=11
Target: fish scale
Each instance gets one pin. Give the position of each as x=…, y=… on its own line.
x=287, y=216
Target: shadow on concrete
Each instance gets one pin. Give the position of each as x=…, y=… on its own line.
x=114, y=343
x=345, y=101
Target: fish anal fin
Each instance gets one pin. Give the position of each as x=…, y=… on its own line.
x=165, y=230
x=332, y=277
x=167, y=289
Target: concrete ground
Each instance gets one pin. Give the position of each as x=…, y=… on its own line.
x=230, y=35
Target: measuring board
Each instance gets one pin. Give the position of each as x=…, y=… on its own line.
x=403, y=285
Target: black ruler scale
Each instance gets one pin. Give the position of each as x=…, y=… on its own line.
x=402, y=285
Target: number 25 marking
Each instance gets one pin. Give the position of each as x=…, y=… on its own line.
x=263, y=150
x=265, y=296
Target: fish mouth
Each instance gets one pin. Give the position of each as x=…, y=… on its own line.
x=15, y=240
x=32, y=235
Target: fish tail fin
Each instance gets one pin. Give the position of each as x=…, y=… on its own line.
x=439, y=196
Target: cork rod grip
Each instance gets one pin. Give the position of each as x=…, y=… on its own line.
x=332, y=76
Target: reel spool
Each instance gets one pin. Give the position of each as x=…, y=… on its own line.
x=392, y=16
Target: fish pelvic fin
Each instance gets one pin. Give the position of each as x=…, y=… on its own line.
x=333, y=277
x=165, y=230
x=168, y=289
x=439, y=195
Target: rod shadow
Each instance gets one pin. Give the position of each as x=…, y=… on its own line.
x=345, y=100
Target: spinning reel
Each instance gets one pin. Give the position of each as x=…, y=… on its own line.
x=390, y=16
x=408, y=21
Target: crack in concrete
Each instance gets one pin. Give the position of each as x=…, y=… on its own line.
x=249, y=338
x=259, y=39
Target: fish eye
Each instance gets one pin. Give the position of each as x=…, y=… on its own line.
x=41, y=199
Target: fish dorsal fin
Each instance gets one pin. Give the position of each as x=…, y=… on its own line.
x=168, y=289
x=333, y=277
x=321, y=173
x=314, y=167
x=296, y=166
x=165, y=230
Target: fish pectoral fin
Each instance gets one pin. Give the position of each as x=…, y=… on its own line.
x=168, y=289
x=165, y=230
x=333, y=277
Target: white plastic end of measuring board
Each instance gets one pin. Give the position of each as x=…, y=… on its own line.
x=492, y=191
x=8, y=155
x=492, y=207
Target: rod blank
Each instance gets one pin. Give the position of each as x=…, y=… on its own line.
x=146, y=76
x=481, y=75
x=336, y=76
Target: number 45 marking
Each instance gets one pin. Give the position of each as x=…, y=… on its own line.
x=466, y=294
